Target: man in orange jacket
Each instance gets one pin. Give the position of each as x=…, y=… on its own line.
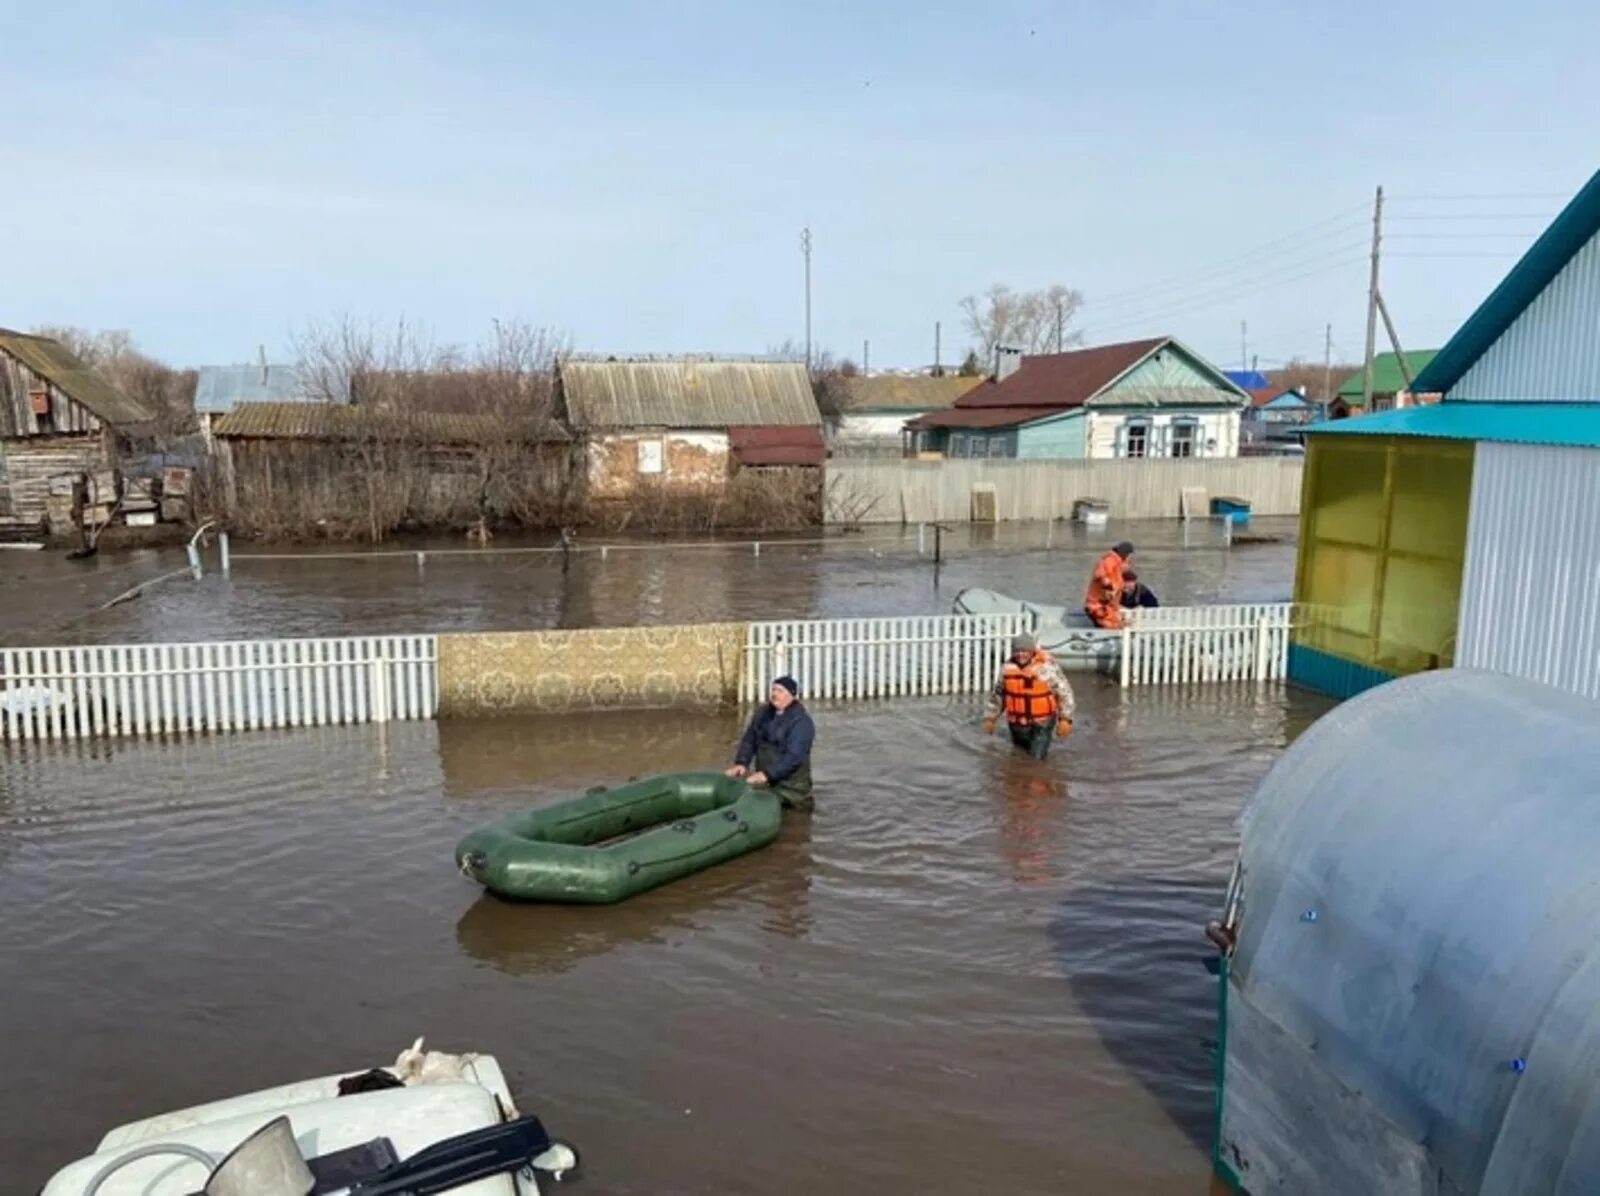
x=1102, y=601
x=1033, y=694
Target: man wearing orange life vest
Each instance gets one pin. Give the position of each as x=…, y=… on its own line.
x=1102, y=601
x=1034, y=696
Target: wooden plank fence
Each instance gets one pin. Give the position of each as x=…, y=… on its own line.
x=1181, y=645
x=903, y=656
x=147, y=689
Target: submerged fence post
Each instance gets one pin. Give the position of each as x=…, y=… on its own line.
x=194, y=560
x=226, y=548
x=422, y=558
x=922, y=539
x=938, y=543
x=1263, y=631
x=757, y=547
x=1127, y=652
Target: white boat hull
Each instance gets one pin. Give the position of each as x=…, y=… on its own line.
x=411, y=1118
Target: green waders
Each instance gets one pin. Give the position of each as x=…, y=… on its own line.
x=794, y=791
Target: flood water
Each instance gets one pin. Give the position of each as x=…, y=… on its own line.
x=46, y=599
x=968, y=971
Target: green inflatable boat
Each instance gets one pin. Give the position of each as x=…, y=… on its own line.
x=612, y=843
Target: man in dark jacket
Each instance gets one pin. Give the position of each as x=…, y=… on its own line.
x=1135, y=593
x=778, y=743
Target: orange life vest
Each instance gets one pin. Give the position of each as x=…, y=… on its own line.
x=1028, y=696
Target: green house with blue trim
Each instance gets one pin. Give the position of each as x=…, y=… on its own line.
x=1468, y=532
x=1152, y=398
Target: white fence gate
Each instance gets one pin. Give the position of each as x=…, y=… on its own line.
x=905, y=656
x=1186, y=644
x=150, y=689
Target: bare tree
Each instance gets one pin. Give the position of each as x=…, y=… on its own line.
x=167, y=393
x=1314, y=376
x=1033, y=321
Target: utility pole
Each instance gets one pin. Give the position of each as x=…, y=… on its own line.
x=1372, y=304
x=1327, y=365
x=1244, y=341
x=938, y=368
x=866, y=356
x=1061, y=325
x=805, y=249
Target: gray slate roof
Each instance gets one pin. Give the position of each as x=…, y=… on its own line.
x=687, y=394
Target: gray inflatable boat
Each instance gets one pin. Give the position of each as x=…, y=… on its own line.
x=1068, y=635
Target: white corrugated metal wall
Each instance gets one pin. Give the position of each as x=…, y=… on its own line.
x=1552, y=350
x=1530, y=590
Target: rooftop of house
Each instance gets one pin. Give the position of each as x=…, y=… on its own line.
x=1387, y=378
x=54, y=362
x=686, y=393
x=336, y=421
x=1053, y=382
x=903, y=392
x=1573, y=228
x=220, y=388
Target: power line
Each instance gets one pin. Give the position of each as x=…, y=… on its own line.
x=1459, y=236
x=1263, y=275
x=1201, y=273
x=1459, y=196
x=1440, y=217
x=1201, y=304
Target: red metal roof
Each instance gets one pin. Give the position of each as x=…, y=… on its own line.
x=1062, y=380
x=978, y=417
x=777, y=445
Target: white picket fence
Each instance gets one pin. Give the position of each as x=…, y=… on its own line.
x=146, y=689
x=1181, y=645
x=903, y=656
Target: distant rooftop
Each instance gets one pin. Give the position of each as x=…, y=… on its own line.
x=221, y=388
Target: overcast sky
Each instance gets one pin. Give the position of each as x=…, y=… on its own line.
x=212, y=176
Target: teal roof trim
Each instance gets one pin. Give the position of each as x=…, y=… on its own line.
x=1567, y=424
x=1568, y=233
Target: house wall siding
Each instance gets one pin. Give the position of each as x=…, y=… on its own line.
x=1551, y=352
x=1059, y=439
x=1219, y=426
x=1533, y=566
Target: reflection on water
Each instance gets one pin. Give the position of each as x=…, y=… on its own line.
x=966, y=972
x=49, y=600
x=526, y=941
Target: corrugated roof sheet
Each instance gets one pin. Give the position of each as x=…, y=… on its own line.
x=686, y=394
x=980, y=417
x=1569, y=232
x=221, y=388
x=1573, y=424
x=1386, y=376
x=336, y=421
x=892, y=392
x=777, y=445
x=1062, y=380
x=1251, y=380
x=53, y=361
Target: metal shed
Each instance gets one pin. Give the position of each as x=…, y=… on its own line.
x=1413, y=1004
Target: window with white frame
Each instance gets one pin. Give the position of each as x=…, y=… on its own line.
x=958, y=444
x=651, y=456
x=1136, y=438
x=997, y=446
x=1185, y=437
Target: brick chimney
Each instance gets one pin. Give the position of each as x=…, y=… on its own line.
x=1006, y=362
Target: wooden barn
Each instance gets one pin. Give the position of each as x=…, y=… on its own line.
x=59, y=420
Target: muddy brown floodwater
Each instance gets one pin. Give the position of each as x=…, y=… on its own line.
x=968, y=972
